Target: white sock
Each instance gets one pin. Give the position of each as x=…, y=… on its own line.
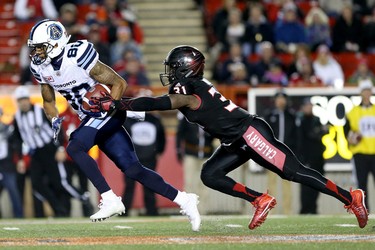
x=181, y=198
x=109, y=195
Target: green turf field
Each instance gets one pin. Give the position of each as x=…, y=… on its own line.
x=173, y=232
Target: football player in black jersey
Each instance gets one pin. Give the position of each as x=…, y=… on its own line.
x=243, y=136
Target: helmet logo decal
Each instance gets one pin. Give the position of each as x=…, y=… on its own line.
x=55, y=31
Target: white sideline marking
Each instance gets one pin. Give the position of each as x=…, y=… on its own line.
x=272, y=238
x=346, y=225
x=233, y=225
x=123, y=227
x=11, y=228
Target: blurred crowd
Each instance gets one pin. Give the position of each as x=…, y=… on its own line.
x=291, y=43
x=250, y=42
x=110, y=25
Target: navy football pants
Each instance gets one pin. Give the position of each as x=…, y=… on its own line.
x=115, y=142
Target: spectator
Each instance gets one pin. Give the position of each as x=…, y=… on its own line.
x=221, y=18
x=60, y=3
x=8, y=172
x=302, y=51
x=305, y=74
x=275, y=11
x=362, y=7
x=117, y=13
x=275, y=74
x=124, y=42
x=95, y=37
x=32, y=10
x=233, y=31
x=333, y=8
x=363, y=72
x=120, y=66
x=369, y=33
x=347, y=32
x=359, y=131
x=282, y=120
x=258, y=29
x=267, y=53
x=74, y=27
x=289, y=31
x=149, y=143
x=134, y=72
x=236, y=69
x=311, y=148
x=194, y=146
x=327, y=68
x=317, y=28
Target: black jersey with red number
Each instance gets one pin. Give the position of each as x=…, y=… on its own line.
x=217, y=115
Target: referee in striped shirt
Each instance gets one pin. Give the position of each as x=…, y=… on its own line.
x=48, y=177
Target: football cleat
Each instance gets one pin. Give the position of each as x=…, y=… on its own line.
x=108, y=208
x=190, y=209
x=358, y=207
x=263, y=204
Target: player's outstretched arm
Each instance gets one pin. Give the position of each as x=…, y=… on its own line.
x=166, y=102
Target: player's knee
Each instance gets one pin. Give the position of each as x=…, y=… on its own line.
x=290, y=173
x=134, y=171
x=209, y=177
x=75, y=147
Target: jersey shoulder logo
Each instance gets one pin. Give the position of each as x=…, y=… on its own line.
x=49, y=78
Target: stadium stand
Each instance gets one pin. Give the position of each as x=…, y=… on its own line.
x=14, y=33
x=9, y=44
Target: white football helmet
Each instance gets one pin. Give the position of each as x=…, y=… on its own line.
x=50, y=36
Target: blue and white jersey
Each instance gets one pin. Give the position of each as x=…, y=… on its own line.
x=69, y=73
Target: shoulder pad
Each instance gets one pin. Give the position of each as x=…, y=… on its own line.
x=83, y=52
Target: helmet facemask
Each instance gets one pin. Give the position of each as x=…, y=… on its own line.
x=39, y=52
x=169, y=76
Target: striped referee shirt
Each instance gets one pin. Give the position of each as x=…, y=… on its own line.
x=34, y=127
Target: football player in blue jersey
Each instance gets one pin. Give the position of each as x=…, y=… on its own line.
x=243, y=136
x=72, y=69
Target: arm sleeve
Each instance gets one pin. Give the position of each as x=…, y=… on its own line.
x=145, y=103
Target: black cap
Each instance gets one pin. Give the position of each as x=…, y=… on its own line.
x=280, y=92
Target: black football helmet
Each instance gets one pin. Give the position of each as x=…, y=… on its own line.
x=182, y=62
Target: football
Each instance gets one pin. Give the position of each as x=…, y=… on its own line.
x=94, y=91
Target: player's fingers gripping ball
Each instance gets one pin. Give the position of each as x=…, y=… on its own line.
x=104, y=103
x=89, y=104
